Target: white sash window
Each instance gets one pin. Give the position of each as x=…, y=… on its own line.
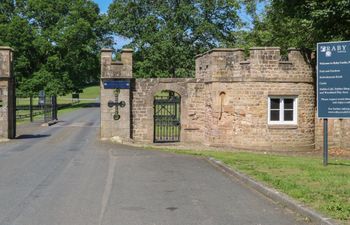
x=282, y=110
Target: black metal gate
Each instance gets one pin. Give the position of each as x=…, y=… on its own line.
x=47, y=109
x=167, y=124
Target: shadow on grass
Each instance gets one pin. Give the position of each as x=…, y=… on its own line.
x=339, y=164
x=32, y=136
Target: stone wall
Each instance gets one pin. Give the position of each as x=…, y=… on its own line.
x=3, y=109
x=241, y=121
x=115, y=71
x=262, y=65
x=7, y=92
x=227, y=103
x=237, y=91
x=192, y=107
x=338, y=134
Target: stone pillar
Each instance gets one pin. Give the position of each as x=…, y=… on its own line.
x=126, y=58
x=116, y=77
x=7, y=95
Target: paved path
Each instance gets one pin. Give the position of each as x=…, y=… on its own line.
x=64, y=175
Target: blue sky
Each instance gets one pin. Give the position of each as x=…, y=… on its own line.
x=103, y=4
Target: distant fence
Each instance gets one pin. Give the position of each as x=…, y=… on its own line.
x=36, y=109
x=46, y=107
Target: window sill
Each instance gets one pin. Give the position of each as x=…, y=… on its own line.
x=282, y=126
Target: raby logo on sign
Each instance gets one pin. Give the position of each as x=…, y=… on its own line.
x=332, y=48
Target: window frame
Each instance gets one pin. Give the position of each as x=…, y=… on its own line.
x=281, y=109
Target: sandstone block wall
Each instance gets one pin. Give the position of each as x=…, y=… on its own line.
x=239, y=116
x=237, y=98
x=192, y=107
x=227, y=103
x=338, y=134
x=3, y=109
x=7, y=95
x=115, y=71
x=237, y=92
x=262, y=65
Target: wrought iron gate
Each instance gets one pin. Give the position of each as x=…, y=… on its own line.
x=47, y=108
x=167, y=124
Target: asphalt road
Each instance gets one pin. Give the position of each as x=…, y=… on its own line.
x=64, y=175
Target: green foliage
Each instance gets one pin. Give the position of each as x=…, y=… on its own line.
x=168, y=34
x=302, y=23
x=56, y=43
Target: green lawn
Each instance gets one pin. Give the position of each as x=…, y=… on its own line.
x=89, y=95
x=326, y=189
x=90, y=92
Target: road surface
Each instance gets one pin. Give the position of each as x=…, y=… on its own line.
x=64, y=175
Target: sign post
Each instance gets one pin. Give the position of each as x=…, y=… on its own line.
x=325, y=142
x=333, y=85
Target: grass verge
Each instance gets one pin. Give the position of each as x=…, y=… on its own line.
x=88, y=98
x=326, y=189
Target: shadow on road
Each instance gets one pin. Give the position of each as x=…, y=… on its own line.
x=80, y=105
x=32, y=136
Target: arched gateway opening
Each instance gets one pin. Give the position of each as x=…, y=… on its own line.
x=167, y=114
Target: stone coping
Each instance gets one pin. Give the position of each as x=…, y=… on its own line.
x=6, y=48
x=111, y=50
x=220, y=50
x=258, y=79
x=127, y=50
x=241, y=50
x=171, y=80
x=265, y=48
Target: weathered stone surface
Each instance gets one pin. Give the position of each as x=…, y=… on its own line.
x=241, y=120
x=5, y=62
x=263, y=65
x=227, y=103
x=116, y=69
x=338, y=134
x=7, y=86
x=110, y=70
x=192, y=107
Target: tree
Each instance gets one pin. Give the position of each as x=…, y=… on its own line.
x=302, y=23
x=56, y=43
x=167, y=35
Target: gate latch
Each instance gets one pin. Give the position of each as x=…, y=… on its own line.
x=116, y=104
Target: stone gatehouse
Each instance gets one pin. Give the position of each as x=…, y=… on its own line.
x=259, y=102
x=256, y=103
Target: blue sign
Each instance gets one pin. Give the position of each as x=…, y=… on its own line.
x=333, y=79
x=119, y=84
